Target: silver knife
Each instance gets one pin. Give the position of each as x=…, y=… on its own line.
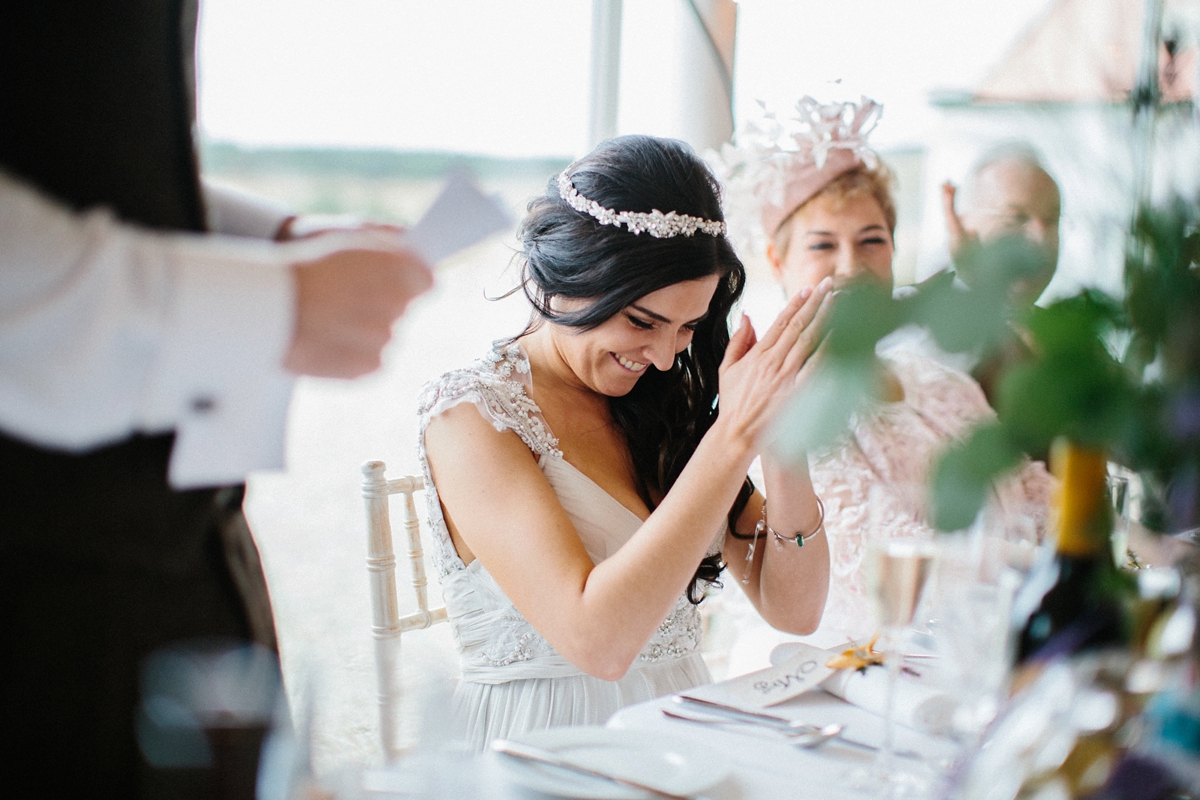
x=734, y=712
x=541, y=756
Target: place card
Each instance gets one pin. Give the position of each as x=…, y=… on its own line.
x=801, y=671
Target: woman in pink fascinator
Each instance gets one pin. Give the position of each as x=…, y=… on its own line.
x=807, y=188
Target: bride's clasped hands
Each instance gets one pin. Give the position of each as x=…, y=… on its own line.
x=758, y=376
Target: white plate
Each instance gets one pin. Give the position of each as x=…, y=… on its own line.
x=678, y=767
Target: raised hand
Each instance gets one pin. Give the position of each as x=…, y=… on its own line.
x=758, y=375
x=346, y=303
x=961, y=239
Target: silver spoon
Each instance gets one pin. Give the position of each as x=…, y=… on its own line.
x=792, y=729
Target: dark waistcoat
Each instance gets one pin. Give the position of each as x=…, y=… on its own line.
x=96, y=105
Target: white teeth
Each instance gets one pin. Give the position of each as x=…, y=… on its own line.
x=630, y=365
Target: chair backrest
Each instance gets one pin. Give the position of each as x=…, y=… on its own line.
x=386, y=622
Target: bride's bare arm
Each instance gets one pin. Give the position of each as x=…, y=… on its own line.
x=502, y=508
x=505, y=513
x=786, y=583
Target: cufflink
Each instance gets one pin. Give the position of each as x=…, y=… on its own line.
x=203, y=404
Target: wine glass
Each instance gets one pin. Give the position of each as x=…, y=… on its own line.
x=897, y=572
x=1118, y=495
x=899, y=558
x=970, y=596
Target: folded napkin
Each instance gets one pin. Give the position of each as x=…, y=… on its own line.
x=920, y=703
x=917, y=704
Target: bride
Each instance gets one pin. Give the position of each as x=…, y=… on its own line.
x=585, y=483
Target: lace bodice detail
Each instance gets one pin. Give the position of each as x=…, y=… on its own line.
x=496, y=641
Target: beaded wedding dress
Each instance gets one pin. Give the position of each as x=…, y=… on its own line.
x=512, y=679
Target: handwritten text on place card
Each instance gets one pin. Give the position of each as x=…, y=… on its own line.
x=803, y=671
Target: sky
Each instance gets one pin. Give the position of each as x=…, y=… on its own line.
x=510, y=77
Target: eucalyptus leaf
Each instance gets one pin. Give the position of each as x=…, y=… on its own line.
x=863, y=313
x=965, y=472
x=821, y=410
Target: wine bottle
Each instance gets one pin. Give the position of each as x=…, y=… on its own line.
x=1073, y=601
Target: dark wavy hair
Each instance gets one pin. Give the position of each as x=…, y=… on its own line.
x=569, y=254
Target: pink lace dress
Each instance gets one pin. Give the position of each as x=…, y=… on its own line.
x=876, y=477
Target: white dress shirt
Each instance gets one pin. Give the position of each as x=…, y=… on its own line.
x=107, y=329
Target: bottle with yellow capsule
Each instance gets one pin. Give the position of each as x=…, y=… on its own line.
x=1076, y=600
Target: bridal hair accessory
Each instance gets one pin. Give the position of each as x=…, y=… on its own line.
x=781, y=161
x=655, y=223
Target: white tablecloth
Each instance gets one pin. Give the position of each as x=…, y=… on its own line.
x=766, y=766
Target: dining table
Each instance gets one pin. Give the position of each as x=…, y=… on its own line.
x=757, y=763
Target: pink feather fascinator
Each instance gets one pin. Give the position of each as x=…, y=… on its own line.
x=781, y=161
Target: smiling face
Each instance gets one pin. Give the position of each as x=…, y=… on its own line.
x=832, y=236
x=609, y=358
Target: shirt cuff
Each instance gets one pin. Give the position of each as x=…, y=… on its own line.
x=238, y=213
x=218, y=377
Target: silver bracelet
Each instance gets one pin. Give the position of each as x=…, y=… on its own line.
x=764, y=527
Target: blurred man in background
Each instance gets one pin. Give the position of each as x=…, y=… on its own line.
x=1007, y=193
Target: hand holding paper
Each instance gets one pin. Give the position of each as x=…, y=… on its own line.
x=348, y=297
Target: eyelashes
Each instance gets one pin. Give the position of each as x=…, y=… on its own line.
x=643, y=325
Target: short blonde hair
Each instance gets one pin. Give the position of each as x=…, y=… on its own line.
x=856, y=182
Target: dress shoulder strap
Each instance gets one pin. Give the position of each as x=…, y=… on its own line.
x=498, y=385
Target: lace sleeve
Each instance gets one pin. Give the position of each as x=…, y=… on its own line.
x=497, y=386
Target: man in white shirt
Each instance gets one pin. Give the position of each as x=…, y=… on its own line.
x=107, y=329
x=145, y=366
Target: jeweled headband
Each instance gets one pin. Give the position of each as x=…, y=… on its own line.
x=655, y=223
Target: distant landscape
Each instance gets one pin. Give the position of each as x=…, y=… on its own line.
x=387, y=185
x=396, y=185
